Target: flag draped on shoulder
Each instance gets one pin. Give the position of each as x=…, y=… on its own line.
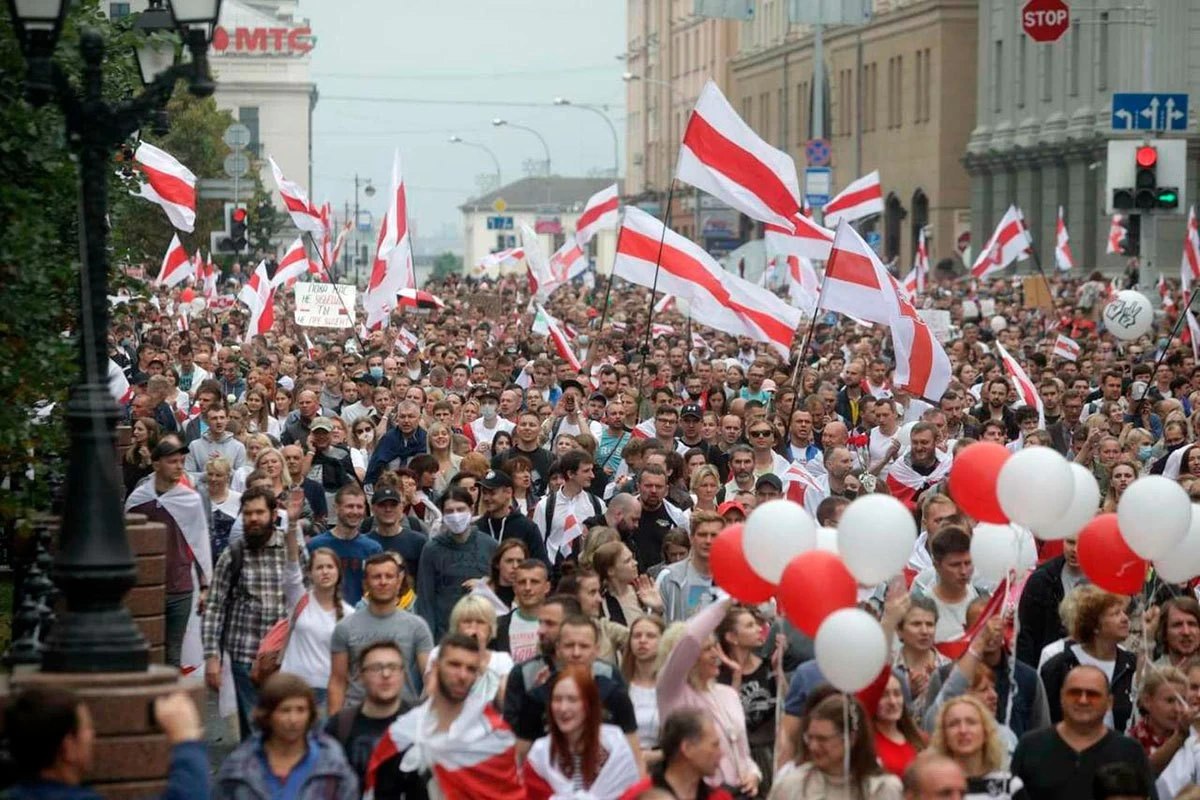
x=861, y=198
x=1062, y=245
x=176, y=266
x=1009, y=242
x=305, y=215
x=721, y=154
x=169, y=184
x=599, y=214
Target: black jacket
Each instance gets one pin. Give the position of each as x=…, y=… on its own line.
x=1038, y=610
x=516, y=525
x=982, y=414
x=1054, y=672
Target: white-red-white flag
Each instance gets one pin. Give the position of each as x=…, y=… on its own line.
x=856, y=283
x=1164, y=292
x=807, y=239
x=861, y=198
x=803, y=283
x=210, y=279
x=558, y=337
x=392, y=269
x=568, y=262
x=914, y=281
x=310, y=348
x=169, y=184
x=1009, y=242
x=176, y=266
x=305, y=215
x=720, y=154
x=1189, y=265
x=659, y=329
x=1025, y=387
x=798, y=482
x=118, y=384
x=1193, y=332
x=293, y=264
x=259, y=297
x=1115, y=245
x=1062, y=245
x=664, y=304
x=600, y=214
x=417, y=298
x=1066, y=348
x=340, y=242
x=922, y=365
x=406, y=341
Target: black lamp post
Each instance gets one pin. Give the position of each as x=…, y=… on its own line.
x=94, y=567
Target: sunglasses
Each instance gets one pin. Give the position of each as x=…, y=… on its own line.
x=762, y=433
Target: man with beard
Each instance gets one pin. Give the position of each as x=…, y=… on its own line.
x=837, y=481
x=452, y=745
x=247, y=594
x=995, y=408
x=658, y=516
x=502, y=520
x=923, y=467
x=623, y=515
x=358, y=728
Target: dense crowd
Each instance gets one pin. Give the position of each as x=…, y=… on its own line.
x=471, y=569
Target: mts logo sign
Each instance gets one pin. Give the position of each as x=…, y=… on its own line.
x=268, y=41
x=1045, y=20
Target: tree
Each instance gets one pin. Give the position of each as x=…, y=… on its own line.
x=445, y=265
x=264, y=220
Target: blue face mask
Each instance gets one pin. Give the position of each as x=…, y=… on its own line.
x=375, y=372
x=1144, y=452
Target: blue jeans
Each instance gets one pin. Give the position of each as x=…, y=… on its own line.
x=247, y=695
x=322, y=697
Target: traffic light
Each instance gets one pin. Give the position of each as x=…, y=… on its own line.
x=237, y=229
x=1146, y=177
x=1146, y=194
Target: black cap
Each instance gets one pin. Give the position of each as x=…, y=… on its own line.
x=367, y=378
x=488, y=394
x=167, y=447
x=769, y=480
x=599, y=396
x=384, y=495
x=571, y=383
x=691, y=410
x=496, y=479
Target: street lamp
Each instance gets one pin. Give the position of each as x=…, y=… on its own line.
x=484, y=148
x=562, y=101
x=369, y=191
x=94, y=566
x=500, y=123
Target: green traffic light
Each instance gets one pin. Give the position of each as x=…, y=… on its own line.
x=1168, y=198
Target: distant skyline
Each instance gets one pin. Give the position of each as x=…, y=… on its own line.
x=401, y=74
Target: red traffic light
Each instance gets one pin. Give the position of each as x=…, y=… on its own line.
x=239, y=215
x=1147, y=156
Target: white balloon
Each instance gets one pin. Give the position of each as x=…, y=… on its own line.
x=1035, y=486
x=851, y=649
x=1084, y=505
x=775, y=533
x=1154, y=514
x=1182, y=562
x=827, y=539
x=995, y=549
x=1129, y=315
x=875, y=538
x=998, y=324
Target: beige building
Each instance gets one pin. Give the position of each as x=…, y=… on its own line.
x=900, y=98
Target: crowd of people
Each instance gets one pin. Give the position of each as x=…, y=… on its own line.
x=472, y=567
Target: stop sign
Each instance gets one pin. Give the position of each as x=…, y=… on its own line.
x=1045, y=20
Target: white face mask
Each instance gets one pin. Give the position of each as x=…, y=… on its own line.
x=457, y=521
x=488, y=412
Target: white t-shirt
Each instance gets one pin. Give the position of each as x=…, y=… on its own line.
x=307, y=653
x=522, y=637
x=1108, y=667
x=491, y=679
x=645, y=708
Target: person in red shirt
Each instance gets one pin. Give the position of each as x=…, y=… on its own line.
x=897, y=740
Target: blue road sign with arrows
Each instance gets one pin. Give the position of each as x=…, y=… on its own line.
x=1149, y=112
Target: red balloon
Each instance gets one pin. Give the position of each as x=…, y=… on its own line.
x=732, y=572
x=187, y=295
x=1107, y=559
x=813, y=586
x=973, y=481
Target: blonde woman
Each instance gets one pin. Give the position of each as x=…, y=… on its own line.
x=705, y=484
x=967, y=732
x=440, y=439
x=256, y=443
x=223, y=504
x=475, y=616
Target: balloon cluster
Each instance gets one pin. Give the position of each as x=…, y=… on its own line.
x=814, y=574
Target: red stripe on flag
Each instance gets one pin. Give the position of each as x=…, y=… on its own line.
x=169, y=187
x=853, y=199
x=593, y=214
x=722, y=155
x=852, y=267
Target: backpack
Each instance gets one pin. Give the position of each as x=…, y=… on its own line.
x=273, y=645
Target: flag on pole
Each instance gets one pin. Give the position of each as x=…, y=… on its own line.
x=1009, y=242
x=1164, y=292
x=808, y=239
x=293, y=264
x=1189, y=265
x=1117, y=232
x=392, y=269
x=720, y=154
x=118, y=384
x=861, y=198
x=599, y=214
x=310, y=348
x=305, y=215
x=856, y=284
x=169, y=184
x=259, y=297
x=176, y=266
x=1062, y=246
x=1025, y=387
x=552, y=329
x=1066, y=348
x=406, y=341
x=914, y=281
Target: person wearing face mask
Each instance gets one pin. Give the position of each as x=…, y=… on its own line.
x=458, y=553
x=480, y=432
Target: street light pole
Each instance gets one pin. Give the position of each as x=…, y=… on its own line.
x=562, y=101
x=369, y=191
x=484, y=148
x=94, y=566
x=500, y=123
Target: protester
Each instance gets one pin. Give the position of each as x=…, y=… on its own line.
x=457, y=554
x=897, y=739
x=474, y=616
x=966, y=731
x=346, y=539
x=312, y=620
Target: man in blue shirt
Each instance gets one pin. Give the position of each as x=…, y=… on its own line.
x=352, y=547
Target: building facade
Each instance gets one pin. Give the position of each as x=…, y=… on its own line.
x=1044, y=118
x=898, y=94
x=549, y=206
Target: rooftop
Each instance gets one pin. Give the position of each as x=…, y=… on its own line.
x=542, y=193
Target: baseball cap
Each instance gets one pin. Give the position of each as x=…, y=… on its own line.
x=367, y=378
x=496, y=479
x=286, y=383
x=571, y=383
x=768, y=385
x=731, y=505
x=599, y=397
x=769, y=480
x=321, y=424
x=167, y=447
x=691, y=410
x=384, y=495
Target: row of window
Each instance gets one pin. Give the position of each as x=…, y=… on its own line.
x=1069, y=50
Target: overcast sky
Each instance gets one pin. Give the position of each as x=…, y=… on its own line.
x=478, y=59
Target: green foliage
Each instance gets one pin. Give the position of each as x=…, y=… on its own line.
x=445, y=265
x=264, y=220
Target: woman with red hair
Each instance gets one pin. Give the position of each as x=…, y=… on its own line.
x=581, y=757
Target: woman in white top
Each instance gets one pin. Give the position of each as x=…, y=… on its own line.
x=474, y=616
x=639, y=665
x=258, y=415
x=313, y=619
x=439, y=438
x=362, y=444
x=255, y=444
x=224, y=504
x=966, y=732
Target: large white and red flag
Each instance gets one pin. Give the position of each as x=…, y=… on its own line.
x=1066, y=348
x=723, y=156
x=600, y=214
x=914, y=281
x=1025, y=387
x=799, y=484
x=305, y=215
x=169, y=184
x=293, y=264
x=1189, y=265
x=1009, y=242
x=259, y=297
x=803, y=284
x=568, y=262
x=1115, y=245
x=176, y=266
x=720, y=299
x=922, y=365
x=392, y=269
x=807, y=239
x=856, y=283
x=861, y=198
x=1062, y=245
x=545, y=324
x=418, y=298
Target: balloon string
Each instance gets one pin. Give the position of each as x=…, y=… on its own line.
x=1012, y=659
x=847, y=699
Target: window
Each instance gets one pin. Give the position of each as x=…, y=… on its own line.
x=998, y=76
x=870, y=90
x=747, y=107
x=1046, y=72
x=118, y=10
x=782, y=115
x=899, y=91
x=1102, y=47
x=1073, y=45
x=895, y=98
x=920, y=62
x=803, y=105
x=1019, y=86
x=764, y=113
x=927, y=85
x=248, y=116
x=845, y=99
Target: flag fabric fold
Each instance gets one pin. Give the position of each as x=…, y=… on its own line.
x=176, y=266
x=1062, y=245
x=304, y=214
x=861, y=198
x=293, y=264
x=1189, y=265
x=259, y=297
x=392, y=269
x=169, y=184
x=1025, y=387
x=1066, y=348
x=599, y=214
x=1009, y=242
x=914, y=281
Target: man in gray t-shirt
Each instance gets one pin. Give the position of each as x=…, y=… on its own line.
x=379, y=620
